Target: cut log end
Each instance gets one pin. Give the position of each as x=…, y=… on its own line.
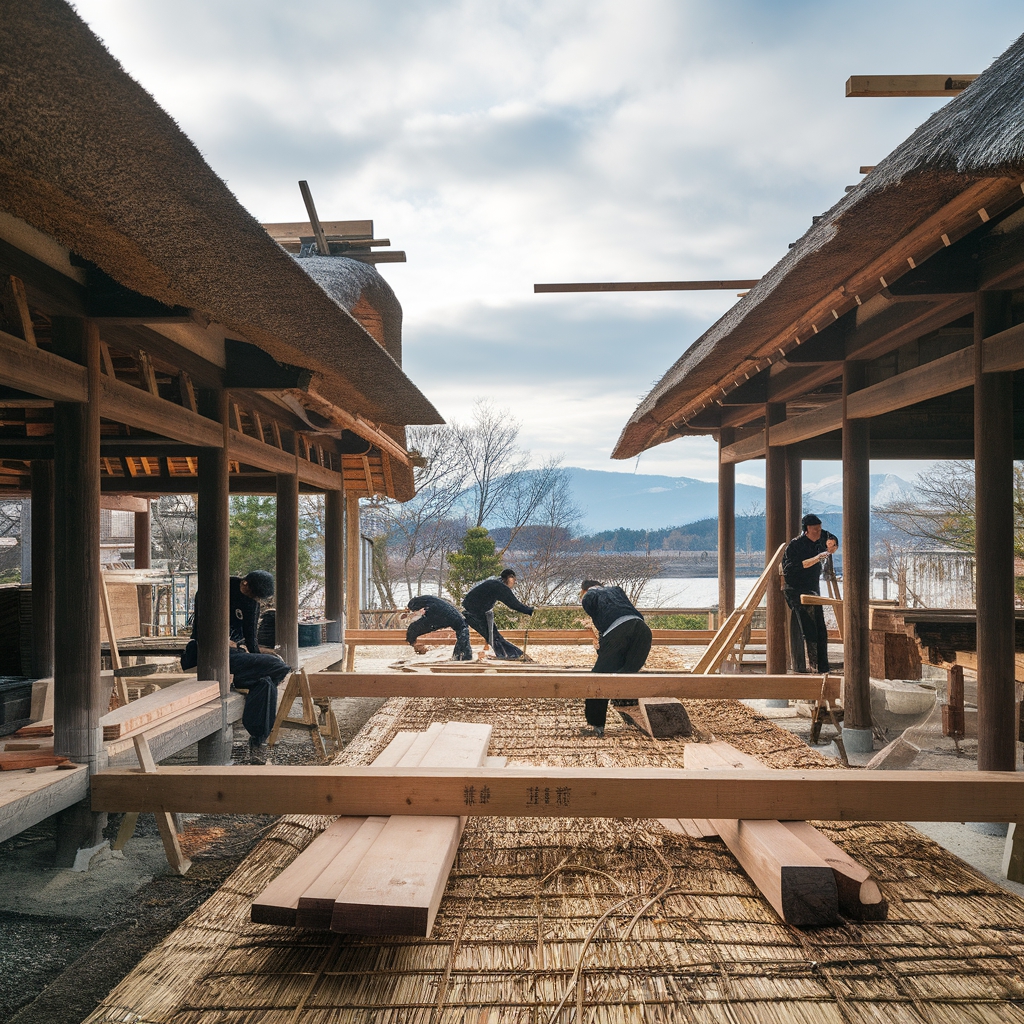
x=380, y=919
x=809, y=896
x=265, y=913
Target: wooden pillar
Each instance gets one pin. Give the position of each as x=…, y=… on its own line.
x=993, y=469
x=287, y=589
x=352, y=545
x=212, y=585
x=143, y=560
x=856, y=568
x=42, y=568
x=794, y=492
x=334, y=564
x=777, y=623
x=726, y=528
x=79, y=698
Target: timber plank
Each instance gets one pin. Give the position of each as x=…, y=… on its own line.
x=27, y=798
x=640, y=792
x=165, y=703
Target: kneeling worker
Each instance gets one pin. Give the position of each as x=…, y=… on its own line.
x=437, y=613
x=801, y=569
x=478, y=607
x=252, y=670
x=624, y=640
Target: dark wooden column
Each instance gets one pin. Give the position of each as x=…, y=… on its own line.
x=213, y=585
x=42, y=568
x=856, y=568
x=334, y=564
x=287, y=589
x=144, y=560
x=79, y=698
x=794, y=492
x=775, y=534
x=993, y=469
x=352, y=595
x=726, y=528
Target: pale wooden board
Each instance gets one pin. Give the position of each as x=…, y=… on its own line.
x=26, y=798
x=166, y=703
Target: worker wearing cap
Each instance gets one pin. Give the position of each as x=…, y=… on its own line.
x=436, y=613
x=251, y=669
x=478, y=609
x=623, y=640
x=801, y=569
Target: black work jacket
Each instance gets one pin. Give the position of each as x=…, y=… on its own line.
x=244, y=614
x=606, y=604
x=439, y=613
x=484, y=596
x=800, y=548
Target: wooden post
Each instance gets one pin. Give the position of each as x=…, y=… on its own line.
x=777, y=623
x=857, y=734
x=213, y=584
x=351, y=572
x=334, y=564
x=993, y=468
x=78, y=695
x=726, y=528
x=287, y=590
x=143, y=560
x=794, y=492
x=42, y=568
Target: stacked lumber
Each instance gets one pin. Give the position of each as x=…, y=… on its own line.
x=379, y=875
x=34, y=730
x=803, y=875
x=166, y=703
x=16, y=761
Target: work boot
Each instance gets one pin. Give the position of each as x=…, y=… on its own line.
x=259, y=753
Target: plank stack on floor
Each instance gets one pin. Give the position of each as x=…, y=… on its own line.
x=803, y=875
x=379, y=875
x=165, y=703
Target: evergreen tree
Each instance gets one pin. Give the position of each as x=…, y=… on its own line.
x=473, y=562
x=252, y=533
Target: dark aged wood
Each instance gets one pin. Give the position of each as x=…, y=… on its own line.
x=78, y=700
x=47, y=289
x=334, y=564
x=251, y=368
x=286, y=622
x=775, y=534
x=143, y=560
x=856, y=558
x=726, y=528
x=794, y=492
x=993, y=467
x=42, y=569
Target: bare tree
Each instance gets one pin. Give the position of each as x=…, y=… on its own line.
x=10, y=529
x=942, y=508
x=174, y=530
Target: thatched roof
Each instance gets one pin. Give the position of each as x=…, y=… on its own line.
x=88, y=157
x=978, y=134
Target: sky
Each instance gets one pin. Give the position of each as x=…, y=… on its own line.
x=506, y=143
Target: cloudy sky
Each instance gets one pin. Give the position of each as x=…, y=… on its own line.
x=506, y=143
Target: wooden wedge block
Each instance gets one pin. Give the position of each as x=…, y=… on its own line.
x=659, y=717
x=278, y=903
x=398, y=885
x=172, y=700
x=29, y=759
x=35, y=730
x=795, y=880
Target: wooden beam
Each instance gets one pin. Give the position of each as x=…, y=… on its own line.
x=39, y=372
x=648, y=286
x=726, y=527
x=828, y=795
x=572, y=685
x=165, y=703
x=314, y=220
x=907, y=85
x=939, y=377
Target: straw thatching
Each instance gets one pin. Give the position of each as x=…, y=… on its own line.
x=978, y=134
x=598, y=920
x=88, y=157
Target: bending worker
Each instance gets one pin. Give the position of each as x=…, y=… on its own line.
x=478, y=607
x=252, y=670
x=624, y=640
x=801, y=568
x=436, y=613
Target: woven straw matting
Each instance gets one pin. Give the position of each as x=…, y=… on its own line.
x=598, y=920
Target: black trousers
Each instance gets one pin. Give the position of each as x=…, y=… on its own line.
x=811, y=620
x=623, y=650
x=463, y=650
x=484, y=625
x=260, y=674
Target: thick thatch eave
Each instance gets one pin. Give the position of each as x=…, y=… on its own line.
x=977, y=136
x=88, y=157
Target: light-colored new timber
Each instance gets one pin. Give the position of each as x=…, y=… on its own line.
x=27, y=798
x=508, y=683
x=792, y=877
x=165, y=703
x=568, y=792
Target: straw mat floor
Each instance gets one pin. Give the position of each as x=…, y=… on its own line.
x=601, y=920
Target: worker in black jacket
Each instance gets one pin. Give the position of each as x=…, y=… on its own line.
x=478, y=608
x=257, y=672
x=801, y=569
x=438, y=614
x=624, y=640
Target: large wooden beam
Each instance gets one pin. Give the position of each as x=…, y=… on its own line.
x=334, y=564
x=287, y=598
x=776, y=613
x=907, y=85
x=647, y=286
x=43, y=577
x=726, y=528
x=826, y=795
x=572, y=685
x=352, y=580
